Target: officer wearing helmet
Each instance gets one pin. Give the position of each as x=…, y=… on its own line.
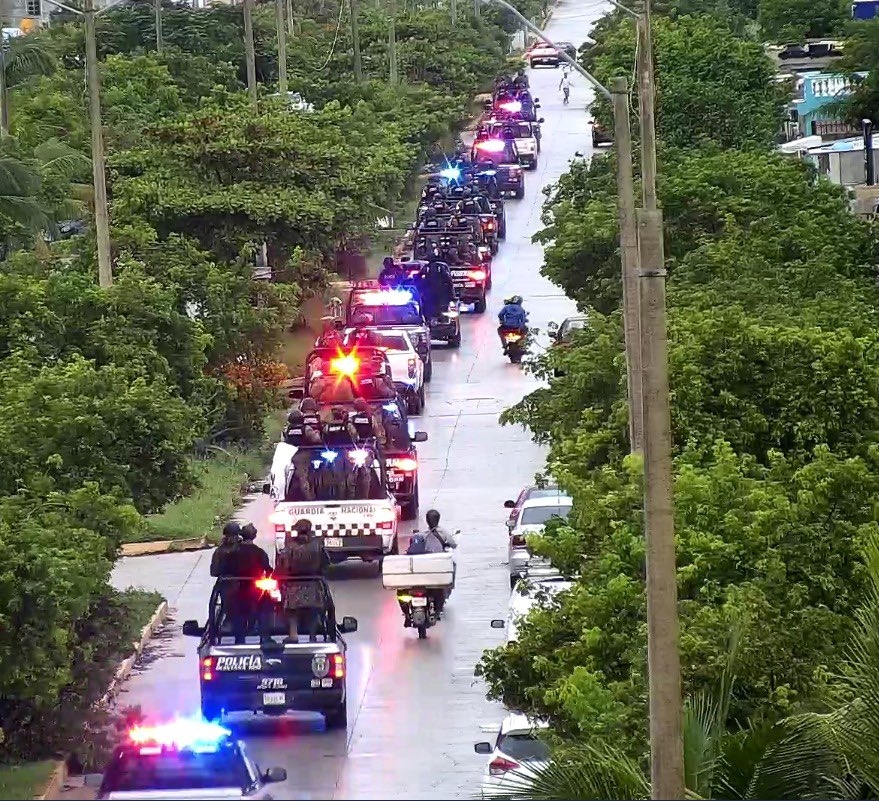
x=512, y=317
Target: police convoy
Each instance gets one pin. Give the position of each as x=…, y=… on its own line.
x=348, y=464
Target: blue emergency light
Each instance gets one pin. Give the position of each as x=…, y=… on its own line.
x=388, y=297
x=329, y=456
x=196, y=735
x=451, y=173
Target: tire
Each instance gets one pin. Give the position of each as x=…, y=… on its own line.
x=479, y=306
x=515, y=358
x=421, y=397
x=502, y=230
x=211, y=712
x=428, y=371
x=488, y=282
x=413, y=405
x=455, y=341
x=514, y=580
x=338, y=718
x=520, y=191
x=494, y=247
x=422, y=631
x=531, y=64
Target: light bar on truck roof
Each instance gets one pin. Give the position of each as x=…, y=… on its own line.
x=194, y=735
x=514, y=106
x=492, y=145
x=390, y=297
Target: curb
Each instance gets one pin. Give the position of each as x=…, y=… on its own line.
x=59, y=775
x=165, y=546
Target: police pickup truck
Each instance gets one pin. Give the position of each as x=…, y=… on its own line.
x=269, y=673
x=525, y=134
x=501, y=156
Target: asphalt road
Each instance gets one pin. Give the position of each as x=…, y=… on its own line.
x=415, y=708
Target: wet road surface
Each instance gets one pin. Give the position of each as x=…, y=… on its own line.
x=415, y=708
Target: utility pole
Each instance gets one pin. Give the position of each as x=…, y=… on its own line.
x=250, y=54
x=355, y=42
x=157, y=4
x=392, y=42
x=454, y=9
x=663, y=657
x=629, y=258
x=4, y=93
x=102, y=213
x=290, y=23
x=282, y=48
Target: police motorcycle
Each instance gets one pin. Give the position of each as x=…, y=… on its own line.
x=420, y=582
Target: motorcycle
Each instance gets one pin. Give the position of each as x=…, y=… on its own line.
x=423, y=584
x=515, y=345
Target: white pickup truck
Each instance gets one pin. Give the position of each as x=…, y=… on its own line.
x=365, y=529
x=407, y=368
x=526, y=134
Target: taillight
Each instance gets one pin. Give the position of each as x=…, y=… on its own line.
x=280, y=529
x=490, y=225
x=476, y=275
x=385, y=524
x=500, y=765
x=411, y=368
x=338, y=671
x=518, y=540
x=207, y=668
x=406, y=465
x=512, y=337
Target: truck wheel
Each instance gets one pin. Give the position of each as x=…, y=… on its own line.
x=502, y=231
x=421, y=399
x=455, y=341
x=520, y=191
x=211, y=712
x=413, y=403
x=422, y=631
x=494, y=247
x=428, y=370
x=479, y=306
x=338, y=718
x=488, y=281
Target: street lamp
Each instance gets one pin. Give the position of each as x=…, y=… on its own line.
x=102, y=215
x=643, y=279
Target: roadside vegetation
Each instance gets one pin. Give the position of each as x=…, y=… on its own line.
x=774, y=370
x=140, y=410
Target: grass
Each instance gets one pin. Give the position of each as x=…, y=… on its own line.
x=140, y=606
x=25, y=781
x=223, y=481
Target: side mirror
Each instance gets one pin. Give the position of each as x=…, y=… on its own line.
x=511, y=524
x=578, y=154
x=296, y=393
x=192, y=629
x=348, y=625
x=509, y=504
x=93, y=779
x=536, y=99
x=541, y=120
x=498, y=624
x=552, y=329
x=483, y=748
x=267, y=488
x=419, y=436
x=274, y=775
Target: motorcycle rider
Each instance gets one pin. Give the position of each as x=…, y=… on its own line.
x=436, y=540
x=512, y=317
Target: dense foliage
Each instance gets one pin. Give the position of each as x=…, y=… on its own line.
x=774, y=373
x=107, y=392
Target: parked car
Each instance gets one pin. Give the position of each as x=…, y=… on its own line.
x=529, y=492
x=531, y=519
x=564, y=333
x=538, y=585
x=517, y=751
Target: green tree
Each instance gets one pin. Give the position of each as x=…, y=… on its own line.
x=795, y=21
x=712, y=86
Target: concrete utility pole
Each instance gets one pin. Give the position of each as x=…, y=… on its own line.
x=629, y=258
x=453, y=5
x=4, y=93
x=102, y=212
x=392, y=42
x=290, y=21
x=157, y=5
x=355, y=42
x=250, y=54
x=282, y=48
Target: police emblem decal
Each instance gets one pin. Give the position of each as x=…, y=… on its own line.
x=320, y=665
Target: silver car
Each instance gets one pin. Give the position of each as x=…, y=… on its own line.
x=530, y=518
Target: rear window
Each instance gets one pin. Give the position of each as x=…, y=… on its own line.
x=545, y=492
x=394, y=343
x=523, y=747
x=538, y=515
x=179, y=770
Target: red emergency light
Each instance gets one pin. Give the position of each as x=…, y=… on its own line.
x=347, y=365
x=477, y=275
x=492, y=145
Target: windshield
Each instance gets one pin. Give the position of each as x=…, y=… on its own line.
x=573, y=325
x=180, y=770
x=546, y=492
x=393, y=343
x=390, y=315
x=523, y=747
x=506, y=156
x=538, y=515
x=520, y=130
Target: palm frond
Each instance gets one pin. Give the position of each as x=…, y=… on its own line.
x=26, y=57
x=17, y=178
x=60, y=161
x=584, y=773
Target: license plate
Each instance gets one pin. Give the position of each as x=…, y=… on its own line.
x=274, y=699
x=470, y=283
x=419, y=602
x=396, y=479
x=333, y=542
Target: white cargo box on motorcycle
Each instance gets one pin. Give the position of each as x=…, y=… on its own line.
x=424, y=570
